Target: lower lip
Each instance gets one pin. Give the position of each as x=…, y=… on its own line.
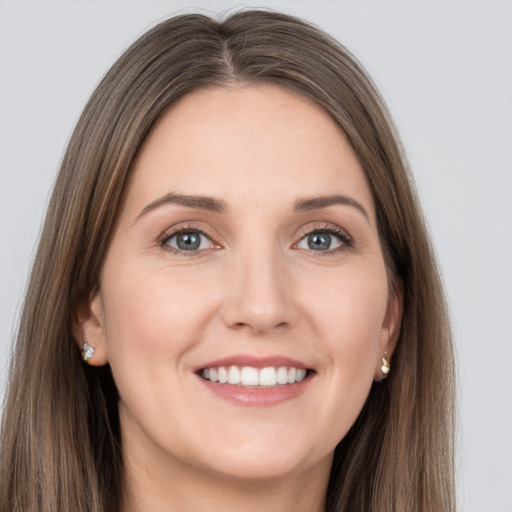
x=257, y=397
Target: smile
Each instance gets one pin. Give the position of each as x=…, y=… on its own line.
x=249, y=376
x=256, y=381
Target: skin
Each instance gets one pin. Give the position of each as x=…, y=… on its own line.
x=254, y=287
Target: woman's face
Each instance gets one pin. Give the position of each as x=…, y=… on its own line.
x=247, y=250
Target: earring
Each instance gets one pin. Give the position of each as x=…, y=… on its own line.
x=87, y=351
x=384, y=368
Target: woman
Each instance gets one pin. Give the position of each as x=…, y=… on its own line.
x=234, y=304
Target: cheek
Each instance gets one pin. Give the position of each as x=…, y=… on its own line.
x=352, y=305
x=346, y=310
x=349, y=317
x=153, y=317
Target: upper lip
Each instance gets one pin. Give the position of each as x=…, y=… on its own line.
x=254, y=361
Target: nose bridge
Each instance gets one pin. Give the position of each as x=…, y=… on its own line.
x=259, y=290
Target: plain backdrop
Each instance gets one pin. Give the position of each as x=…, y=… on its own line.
x=445, y=69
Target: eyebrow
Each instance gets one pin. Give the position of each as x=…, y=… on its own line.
x=197, y=202
x=218, y=206
x=317, y=203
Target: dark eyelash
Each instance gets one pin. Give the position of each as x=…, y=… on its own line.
x=348, y=241
x=167, y=235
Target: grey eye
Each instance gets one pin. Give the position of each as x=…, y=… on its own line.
x=321, y=241
x=189, y=241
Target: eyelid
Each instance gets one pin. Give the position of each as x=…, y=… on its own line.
x=347, y=241
x=185, y=228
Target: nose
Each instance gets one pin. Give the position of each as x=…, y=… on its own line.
x=259, y=294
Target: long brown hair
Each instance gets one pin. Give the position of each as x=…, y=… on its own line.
x=60, y=444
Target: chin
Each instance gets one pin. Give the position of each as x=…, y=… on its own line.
x=258, y=468
x=263, y=460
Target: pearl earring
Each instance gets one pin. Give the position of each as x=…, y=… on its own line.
x=384, y=368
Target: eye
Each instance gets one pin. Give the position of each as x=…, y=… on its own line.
x=324, y=240
x=188, y=240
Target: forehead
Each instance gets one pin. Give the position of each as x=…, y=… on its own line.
x=247, y=143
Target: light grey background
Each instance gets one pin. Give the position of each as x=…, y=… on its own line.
x=445, y=68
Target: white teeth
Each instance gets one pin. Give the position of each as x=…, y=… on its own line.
x=268, y=377
x=301, y=375
x=223, y=375
x=234, y=375
x=282, y=375
x=250, y=376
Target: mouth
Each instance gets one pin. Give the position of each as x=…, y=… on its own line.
x=256, y=381
x=254, y=377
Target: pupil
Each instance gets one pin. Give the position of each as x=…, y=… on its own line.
x=319, y=241
x=188, y=241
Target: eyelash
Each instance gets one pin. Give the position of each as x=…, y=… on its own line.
x=168, y=235
x=347, y=242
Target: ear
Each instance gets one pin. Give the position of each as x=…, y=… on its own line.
x=89, y=327
x=390, y=327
